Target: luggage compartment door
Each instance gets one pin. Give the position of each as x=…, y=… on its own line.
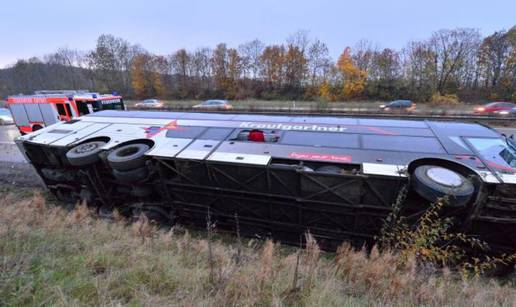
x=198, y=150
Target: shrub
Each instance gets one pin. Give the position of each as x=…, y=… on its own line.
x=431, y=241
x=445, y=100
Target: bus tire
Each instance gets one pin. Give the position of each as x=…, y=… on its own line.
x=85, y=154
x=128, y=157
x=433, y=182
x=133, y=175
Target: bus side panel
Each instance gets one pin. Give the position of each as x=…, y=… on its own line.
x=19, y=115
x=49, y=113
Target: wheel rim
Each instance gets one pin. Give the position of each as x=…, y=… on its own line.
x=444, y=177
x=86, y=148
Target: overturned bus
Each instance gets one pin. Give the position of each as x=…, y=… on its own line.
x=279, y=176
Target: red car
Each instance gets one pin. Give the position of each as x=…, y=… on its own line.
x=495, y=107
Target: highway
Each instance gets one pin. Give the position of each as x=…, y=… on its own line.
x=9, y=152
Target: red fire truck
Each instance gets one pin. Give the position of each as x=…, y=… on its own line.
x=44, y=108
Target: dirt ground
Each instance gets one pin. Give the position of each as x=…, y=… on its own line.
x=18, y=174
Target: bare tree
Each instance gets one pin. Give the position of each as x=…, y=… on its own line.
x=299, y=39
x=181, y=67
x=363, y=53
x=451, y=49
x=201, y=67
x=419, y=69
x=493, y=56
x=250, y=53
x=319, y=60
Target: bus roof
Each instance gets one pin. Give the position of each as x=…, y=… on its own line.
x=424, y=128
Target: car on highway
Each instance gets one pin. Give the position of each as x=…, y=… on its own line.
x=399, y=105
x=494, y=107
x=511, y=112
x=214, y=104
x=150, y=103
x=6, y=117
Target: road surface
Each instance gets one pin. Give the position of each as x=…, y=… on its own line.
x=8, y=151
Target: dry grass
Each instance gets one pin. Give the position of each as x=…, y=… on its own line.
x=49, y=256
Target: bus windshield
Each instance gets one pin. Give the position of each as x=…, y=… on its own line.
x=495, y=151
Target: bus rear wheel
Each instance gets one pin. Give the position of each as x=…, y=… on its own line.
x=85, y=154
x=433, y=182
x=128, y=157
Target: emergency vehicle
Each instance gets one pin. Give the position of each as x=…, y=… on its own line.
x=44, y=108
x=280, y=176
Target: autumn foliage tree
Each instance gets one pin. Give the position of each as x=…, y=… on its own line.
x=353, y=77
x=146, y=75
x=272, y=61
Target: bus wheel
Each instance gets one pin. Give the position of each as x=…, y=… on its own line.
x=128, y=157
x=433, y=182
x=137, y=174
x=85, y=154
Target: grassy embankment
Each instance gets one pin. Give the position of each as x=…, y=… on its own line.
x=49, y=256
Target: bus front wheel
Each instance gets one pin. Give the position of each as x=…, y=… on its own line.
x=433, y=182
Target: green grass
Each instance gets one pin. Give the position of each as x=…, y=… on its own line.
x=49, y=256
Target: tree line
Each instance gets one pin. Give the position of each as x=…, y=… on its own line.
x=450, y=62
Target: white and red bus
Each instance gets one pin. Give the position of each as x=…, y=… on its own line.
x=44, y=108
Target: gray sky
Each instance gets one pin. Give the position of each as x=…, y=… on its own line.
x=37, y=27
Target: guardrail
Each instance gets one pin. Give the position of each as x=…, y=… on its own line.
x=435, y=115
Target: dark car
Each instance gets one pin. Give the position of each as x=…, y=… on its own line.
x=399, y=105
x=495, y=107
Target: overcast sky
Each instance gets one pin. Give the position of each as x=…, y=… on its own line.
x=37, y=27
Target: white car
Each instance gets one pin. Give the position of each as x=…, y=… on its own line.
x=150, y=103
x=214, y=104
x=5, y=117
